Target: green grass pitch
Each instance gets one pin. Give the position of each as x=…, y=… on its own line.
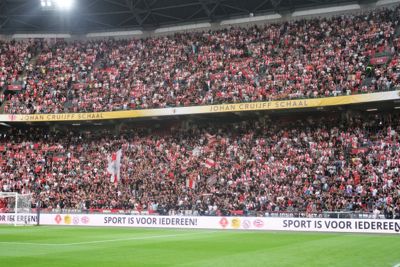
x=77, y=246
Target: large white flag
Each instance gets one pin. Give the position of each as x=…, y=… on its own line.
x=114, y=166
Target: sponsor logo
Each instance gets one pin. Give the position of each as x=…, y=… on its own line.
x=58, y=219
x=246, y=224
x=85, y=220
x=223, y=222
x=235, y=223
x=67, y=219
x=258, y=223
x=75, y=220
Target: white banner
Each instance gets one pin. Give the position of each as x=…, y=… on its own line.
x=21, y=218
x=233, y=223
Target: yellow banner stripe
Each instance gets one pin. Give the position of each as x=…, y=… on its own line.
x=239, y=107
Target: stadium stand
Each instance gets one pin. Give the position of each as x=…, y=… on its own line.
x=258, y=166
x=320, y=57
x=193, y=132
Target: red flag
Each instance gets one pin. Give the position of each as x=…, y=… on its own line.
x=357, y=179
x=58, y=159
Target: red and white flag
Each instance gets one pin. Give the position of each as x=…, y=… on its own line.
x=114, y=166
x=210, y=163
x=212, y=180
x=212, y=139
x=191, y=183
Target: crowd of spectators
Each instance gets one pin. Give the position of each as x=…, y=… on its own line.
x=297, y=59
x=14, y=61
x=253, y=166
x=314, y=165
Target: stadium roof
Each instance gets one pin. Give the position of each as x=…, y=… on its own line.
x=18, y=16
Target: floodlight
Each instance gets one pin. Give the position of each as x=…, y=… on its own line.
x=64, y=4
x=47, y=4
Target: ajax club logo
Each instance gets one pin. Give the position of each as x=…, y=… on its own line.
x=223, y=222
x=58, y=219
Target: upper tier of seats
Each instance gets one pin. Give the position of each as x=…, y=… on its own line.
x=321, y=57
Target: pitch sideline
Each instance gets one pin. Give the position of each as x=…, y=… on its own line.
x=103, y=241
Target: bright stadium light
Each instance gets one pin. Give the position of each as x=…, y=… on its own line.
x=56, y=4
x=64, y=4
x=45, y=3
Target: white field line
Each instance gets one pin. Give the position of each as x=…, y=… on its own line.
x=102, y=241
x=397, y=265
